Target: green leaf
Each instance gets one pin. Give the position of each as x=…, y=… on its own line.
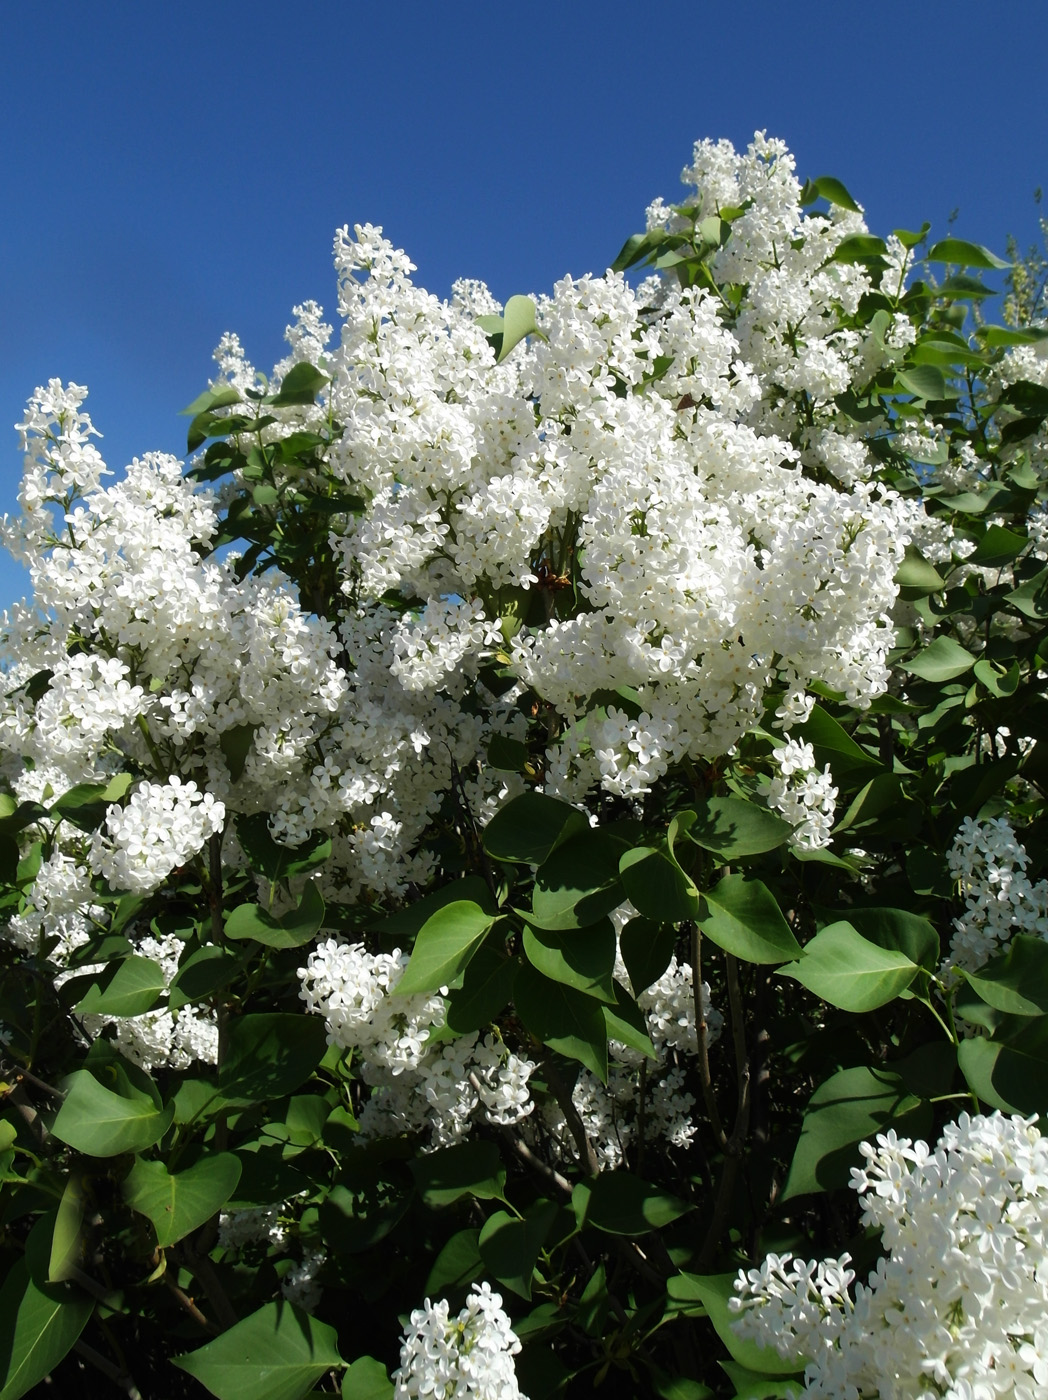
x=178, y=1203
x=467, y=1169
x=713, y=1291
x=85, y=805
x=583, y=958
x=923, y=381
x=1016, y=981
x=301, y=385
x=444, y=946
x=829, y=188
x=367, y=1379
x=964, y=254
x=38, y=1326
x=917, y=575
x=204, y=972
x=733, y=828
x=211, y=399
x=834, y=745
x=406, y=923
x=270, y=1054
x=564, y=1019
x=579, y=882
x=853, y=1105
x=487, y=987
x=1007, y=335
x=909, y=238
x=275, y=1354
x=270, y=858
x=103, y=1122
x=127, y=988
x=870, y=801
x=456, y=1266
x=507, y=755
x=1010, y=1071
x=235, y=744
x=859, y=247
x=1031, y=597
x=941, y=660
x=292, y=930
x=625, y=1022
x=646, y=950
x=67, y=1236
x=619, y=1203
x=849, y=971
x=997, y=547
x=743, y=917
x=529, y=828
x=657, y=886
x=898, y=930
x=510, y=1247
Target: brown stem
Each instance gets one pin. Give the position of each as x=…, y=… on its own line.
x=115, y=1374
x=702, y=1037
x=585, y=1149
x=186, y=1302
x=214, y=866
x=203, y=1269
x=19, y=1100
x=733, y=1148
x=524, y=1153
x=18, y=1072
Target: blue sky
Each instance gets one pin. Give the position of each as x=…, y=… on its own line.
x=170, y=172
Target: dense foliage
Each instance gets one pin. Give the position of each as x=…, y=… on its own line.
x=550, y=800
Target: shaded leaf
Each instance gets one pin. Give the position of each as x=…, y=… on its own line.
x=275, y=1354
x=564, y=1019
x=583, y=958
x=530, y=827
x=732, y=828
x=38, y=1326
x=270, y=1054
x=853, y=1105
x=510, y=1247
x=467, y=1169
x=621, y=1204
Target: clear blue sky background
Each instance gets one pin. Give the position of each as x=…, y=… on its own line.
x=173, y=171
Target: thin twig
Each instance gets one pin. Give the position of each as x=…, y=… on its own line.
x=20, y=1072
x=185, y=1301
x=204, y=1270
x=733, y=1148
x=587, y=1152
x=523, y=1151
x=19, y=1100
x=702, y=1037
x=115, y=1374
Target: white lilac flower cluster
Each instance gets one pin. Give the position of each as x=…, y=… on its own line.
x=420, y=1082
x=750, y=553
x=613, y=1114
x=150, y=651
x=468, y=1357
x=957, y=1309
x=730, y=544
x=803, y=795
x=60, y=907
x=989, y=863
x=162, y=826
x=241, y=1230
